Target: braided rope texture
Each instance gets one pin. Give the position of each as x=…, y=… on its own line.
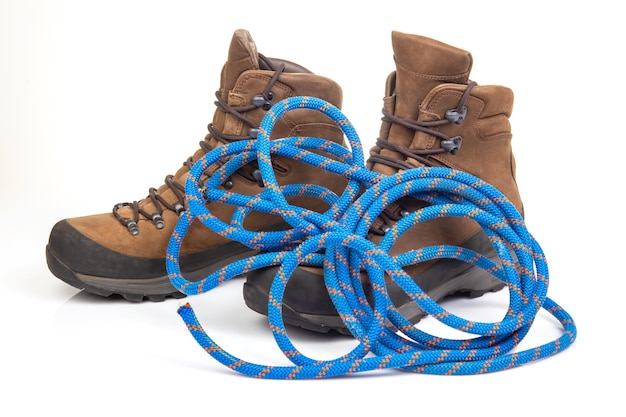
x=341, y=233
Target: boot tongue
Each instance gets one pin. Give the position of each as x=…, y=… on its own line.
x=422, y=64
x=242, y=56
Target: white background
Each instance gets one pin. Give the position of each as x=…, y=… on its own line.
x=99, y=100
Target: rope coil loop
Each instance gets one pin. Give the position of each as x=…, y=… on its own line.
x=336, y=241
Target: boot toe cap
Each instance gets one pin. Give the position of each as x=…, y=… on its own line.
x=79, y=254
x=306, y=302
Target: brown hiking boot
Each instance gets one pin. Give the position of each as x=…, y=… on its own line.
x=433, y=116
x=123, y=252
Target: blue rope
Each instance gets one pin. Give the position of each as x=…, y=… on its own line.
x=341, y=231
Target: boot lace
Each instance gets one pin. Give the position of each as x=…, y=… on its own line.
x=449, y=144
x=251, y=172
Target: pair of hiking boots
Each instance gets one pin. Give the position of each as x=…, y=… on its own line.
x=433, y=115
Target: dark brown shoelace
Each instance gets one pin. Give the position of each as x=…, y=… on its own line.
x=264, y=100
x=448, y=144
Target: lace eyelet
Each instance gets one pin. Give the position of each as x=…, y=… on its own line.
x=228, y=184
x=258, y=177
x=158, y=221
x=264, y=102
x=452, y=145
x=179, y=208
x=454, y=116
x=253, y=132
x=133, y=228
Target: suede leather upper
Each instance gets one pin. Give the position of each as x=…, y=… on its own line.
x=242, y=78
x=430, y=79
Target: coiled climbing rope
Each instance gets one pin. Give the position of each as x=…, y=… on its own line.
x=335, y=241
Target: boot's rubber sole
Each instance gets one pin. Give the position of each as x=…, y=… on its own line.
x=156, y=288
x=83, y=263
x=306, y=303
x=471, y=284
